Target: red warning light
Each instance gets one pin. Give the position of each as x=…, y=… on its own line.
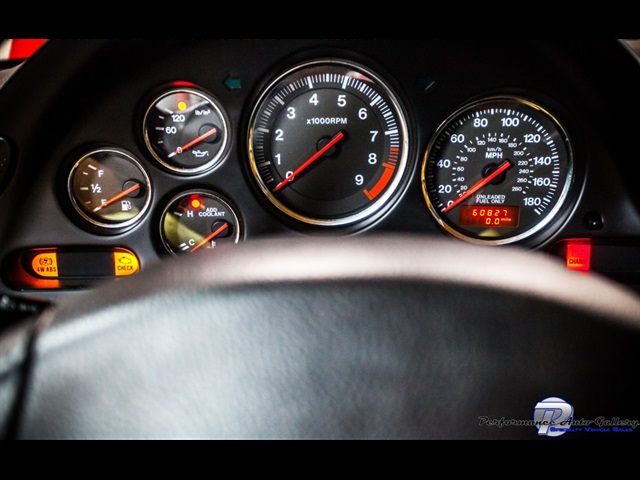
x=195, y=203
x=579, y=256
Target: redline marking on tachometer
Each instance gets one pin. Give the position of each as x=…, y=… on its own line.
x=382, y=183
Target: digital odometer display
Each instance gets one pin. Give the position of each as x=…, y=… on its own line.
x=483, y=216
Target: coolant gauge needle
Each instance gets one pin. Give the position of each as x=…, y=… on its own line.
x=480, y=184
x=193, y=142
x=124, y=193
x=210, y=237
x=336, y=138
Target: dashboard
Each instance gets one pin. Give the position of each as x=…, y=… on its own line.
x=320, y=238
x=135, y=151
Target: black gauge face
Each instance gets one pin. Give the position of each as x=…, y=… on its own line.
x=109, y=188
x=198, y=220
x=328, y=143
x=186, y=131
x=497, y=171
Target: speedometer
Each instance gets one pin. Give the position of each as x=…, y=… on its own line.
x=497, y=171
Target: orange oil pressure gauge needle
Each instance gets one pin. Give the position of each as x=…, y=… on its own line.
x=193, y=142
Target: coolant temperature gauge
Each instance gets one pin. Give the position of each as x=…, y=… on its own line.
x=198, y=220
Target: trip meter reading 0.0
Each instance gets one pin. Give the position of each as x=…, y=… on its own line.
x=497, y=171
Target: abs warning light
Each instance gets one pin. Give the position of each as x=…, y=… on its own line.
x=45, y=264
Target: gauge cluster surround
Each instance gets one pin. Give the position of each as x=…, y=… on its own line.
x=330, y=137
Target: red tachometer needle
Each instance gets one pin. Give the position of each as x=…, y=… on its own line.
x=337, y=137
x=503, y=166
x=118, y=197
x=210, y=237
x=193, y=142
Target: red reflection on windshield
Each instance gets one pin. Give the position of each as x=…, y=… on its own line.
x=20, y=48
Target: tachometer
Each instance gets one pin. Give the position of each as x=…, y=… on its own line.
x=497, y=171
x=328, y=143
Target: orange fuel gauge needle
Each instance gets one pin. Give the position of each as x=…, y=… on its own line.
x=124, y=193
x=210, y=237
x=478, y=185
x=193, y=142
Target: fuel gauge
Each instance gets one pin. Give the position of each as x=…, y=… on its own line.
x=197, y=220
x=109, y=188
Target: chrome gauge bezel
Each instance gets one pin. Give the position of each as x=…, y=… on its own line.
x=561, y=197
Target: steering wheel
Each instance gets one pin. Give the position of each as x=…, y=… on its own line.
x=369, y=337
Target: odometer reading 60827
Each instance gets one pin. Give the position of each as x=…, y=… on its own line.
x=497, y=171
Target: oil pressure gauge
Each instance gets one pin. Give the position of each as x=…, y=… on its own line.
x=186, y=131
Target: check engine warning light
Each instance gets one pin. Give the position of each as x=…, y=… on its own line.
x=579, y=257
x=125, y=263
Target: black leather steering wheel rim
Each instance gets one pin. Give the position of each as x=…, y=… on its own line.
x=367, y=337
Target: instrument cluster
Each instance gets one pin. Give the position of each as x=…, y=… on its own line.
x=216, y=142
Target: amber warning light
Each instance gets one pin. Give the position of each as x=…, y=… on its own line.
x=579, y=257
x=486, y=216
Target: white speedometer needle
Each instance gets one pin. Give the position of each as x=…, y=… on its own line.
x=503, y=167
